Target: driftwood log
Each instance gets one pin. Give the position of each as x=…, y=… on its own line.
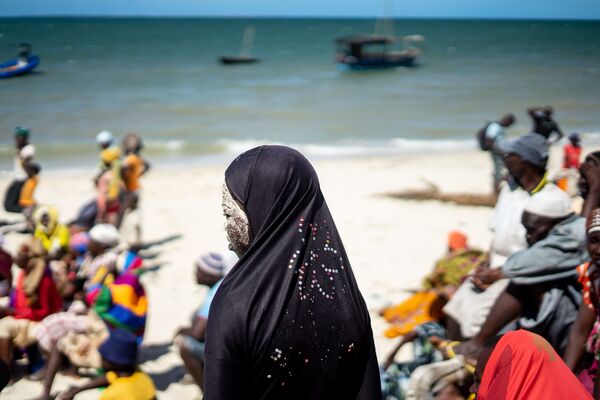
x=432, y=192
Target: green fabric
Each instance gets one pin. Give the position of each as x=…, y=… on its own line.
x=452, y=269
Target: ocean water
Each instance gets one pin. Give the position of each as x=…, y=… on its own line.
x=161, y=78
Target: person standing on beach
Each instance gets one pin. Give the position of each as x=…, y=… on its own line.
x=132, y=169
x=544, y=123
x=288, y=321
x=495, y=132
x=22, y=170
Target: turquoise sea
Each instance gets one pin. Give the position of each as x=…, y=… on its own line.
x=161, y=78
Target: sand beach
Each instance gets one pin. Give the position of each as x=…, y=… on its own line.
x=391, y=243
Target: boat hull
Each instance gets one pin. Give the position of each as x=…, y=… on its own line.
x=378, y=62
x=230, y=60
x=12, y=68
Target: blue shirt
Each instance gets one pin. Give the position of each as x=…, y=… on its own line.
x=203, y=310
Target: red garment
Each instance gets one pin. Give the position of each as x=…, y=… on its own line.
x=48, y=302
x=524, y=366
x=572, y=155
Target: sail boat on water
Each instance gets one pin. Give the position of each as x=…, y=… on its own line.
x=376, y=50
x=244, y=57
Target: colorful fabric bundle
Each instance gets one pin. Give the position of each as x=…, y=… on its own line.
x=129, y=261
x=420, y=308
x=123, y=304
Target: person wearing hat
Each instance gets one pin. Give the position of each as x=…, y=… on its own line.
x=34, y=298
x=525, y=158
x=22, y=169
x=105, y=139
x=99, y=265
x=543, y=292
x=123, y=378
x=210, y=270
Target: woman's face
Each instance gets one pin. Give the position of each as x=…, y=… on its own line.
x=594, y=247
x=236, y=224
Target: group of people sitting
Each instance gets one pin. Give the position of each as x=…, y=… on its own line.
x=519, y=321
x=538, y=276
x=77, y=299
x=77, y=303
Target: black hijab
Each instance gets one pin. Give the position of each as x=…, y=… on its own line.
x=288, y=322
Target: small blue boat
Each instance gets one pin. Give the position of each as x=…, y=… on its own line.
x=21, y=65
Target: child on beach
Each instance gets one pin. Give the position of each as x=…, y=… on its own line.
x=210, y=270
x=134, y=166
x=123, y=378
x=26, y=199
x=109, y=185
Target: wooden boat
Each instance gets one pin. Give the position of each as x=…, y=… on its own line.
x=373, y=51
x=244, y=57
x=238, y=59
x=21, y=65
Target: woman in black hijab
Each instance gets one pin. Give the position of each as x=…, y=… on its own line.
x=288, y=322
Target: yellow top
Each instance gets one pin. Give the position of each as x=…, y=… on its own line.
x=138, y=386
x=26, y=199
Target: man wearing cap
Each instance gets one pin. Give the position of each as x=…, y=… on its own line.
x=543, y=295
x=525, y=158
x=210, y=270
x=22, y=169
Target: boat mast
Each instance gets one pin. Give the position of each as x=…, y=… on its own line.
x=248, y=41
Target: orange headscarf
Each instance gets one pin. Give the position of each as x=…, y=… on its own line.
x=524, y=366
x=457, y=241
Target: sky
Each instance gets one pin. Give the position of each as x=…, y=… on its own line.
x=535, y=9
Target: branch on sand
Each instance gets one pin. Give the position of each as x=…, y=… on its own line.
x=432, y=192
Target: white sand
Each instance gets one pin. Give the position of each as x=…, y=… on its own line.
x=390, y=243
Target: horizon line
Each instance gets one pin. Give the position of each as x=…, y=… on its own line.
x=300, y=17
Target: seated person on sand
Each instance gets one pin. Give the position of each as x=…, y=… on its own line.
x=542, y=295
x=123, y=378
x=53, y=235
x=525, y=159
x=34, y=298
x=99, y=265
x=583, y=348
x=210, y=270
x=77, y=333
x=420, y=316
x=521, y=365
x=6, y=262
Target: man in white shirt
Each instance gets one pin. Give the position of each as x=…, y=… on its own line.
x=25, y=152
x=525, y=159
